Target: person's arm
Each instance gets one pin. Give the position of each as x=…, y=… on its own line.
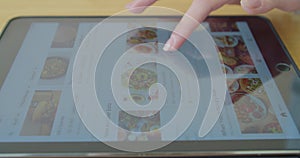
x=200, y=9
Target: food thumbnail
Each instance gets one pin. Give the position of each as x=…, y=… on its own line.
x=41, y=114
x=133, y=128
x=252, y=106
x=234, y=55
x=54, y=67
x=65, y=35
x=251, y=85
x=142, y=35
x=248, y=107
x=218, y=26
x=140, y=79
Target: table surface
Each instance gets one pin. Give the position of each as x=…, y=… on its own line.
x=286, y=24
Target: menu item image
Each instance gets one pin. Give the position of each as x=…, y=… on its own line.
x=226, y=41
x=252, y=107
x=139, y=128
x=54, y=67
x=65, y=35
x=245, y=69
x=140, y=79
x=41, y=113
x=235, y=55
x=251, y=85
x=145, y=48
x=249, y=108
x=223, y=27
x=142, y=35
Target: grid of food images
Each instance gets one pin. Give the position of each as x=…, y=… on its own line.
x=252, y=107
x=143, y=40
x=44, y=104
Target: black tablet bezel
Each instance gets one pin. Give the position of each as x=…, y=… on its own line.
x=194, y=148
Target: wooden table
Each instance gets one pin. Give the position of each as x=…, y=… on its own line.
x=287, y=24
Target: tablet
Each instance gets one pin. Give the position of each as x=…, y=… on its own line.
x=38, y=115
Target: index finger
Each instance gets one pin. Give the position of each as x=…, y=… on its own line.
x=198, y=11
x=138, y=6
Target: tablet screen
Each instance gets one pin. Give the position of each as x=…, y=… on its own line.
x=37, y=104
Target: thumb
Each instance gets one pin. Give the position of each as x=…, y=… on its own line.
x=257, y=6
x=263, y=6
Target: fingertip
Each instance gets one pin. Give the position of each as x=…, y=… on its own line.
x=174, y=43
x=170, y=45
x=167, y=47
x=251, y=6
x=258, y=6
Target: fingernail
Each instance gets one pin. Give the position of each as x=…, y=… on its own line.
x=169, y=46
x=251, y=3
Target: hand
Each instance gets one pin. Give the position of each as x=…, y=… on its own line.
x=200, y=9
